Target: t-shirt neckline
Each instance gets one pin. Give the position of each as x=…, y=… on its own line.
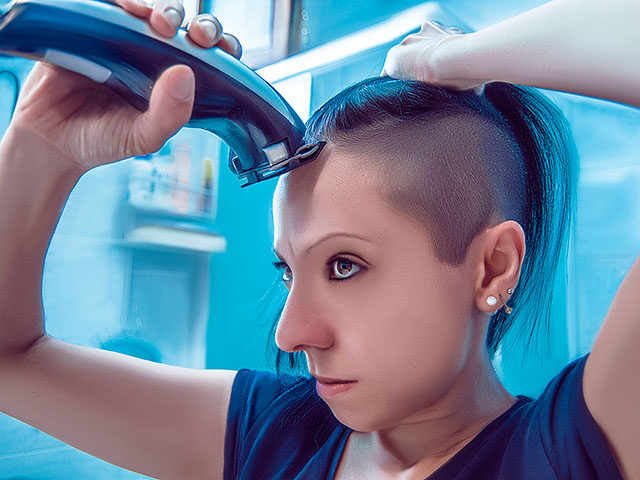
x=454, y=463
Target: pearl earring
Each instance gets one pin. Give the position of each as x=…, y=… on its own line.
x=491, y=301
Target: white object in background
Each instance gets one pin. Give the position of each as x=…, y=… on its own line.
x=297, y=91
x=262, y=25
x=190, y=10
x=167, y=237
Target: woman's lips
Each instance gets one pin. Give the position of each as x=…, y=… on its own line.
x=330, y=380
x=328, y=387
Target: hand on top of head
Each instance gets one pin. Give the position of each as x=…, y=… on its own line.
x=420, y=57
x=86, y=124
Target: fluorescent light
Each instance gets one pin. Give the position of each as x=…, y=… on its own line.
x=380, y=34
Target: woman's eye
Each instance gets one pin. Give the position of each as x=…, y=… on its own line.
x=287, y=276
x=341, y=269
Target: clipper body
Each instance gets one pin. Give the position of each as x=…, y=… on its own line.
x=103, y=42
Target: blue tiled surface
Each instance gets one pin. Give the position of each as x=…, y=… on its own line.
x=28, y=454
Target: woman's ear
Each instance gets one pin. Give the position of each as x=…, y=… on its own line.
x=502, y=251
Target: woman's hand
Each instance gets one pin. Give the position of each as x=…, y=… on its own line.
x=88, y=125
x=420, y=56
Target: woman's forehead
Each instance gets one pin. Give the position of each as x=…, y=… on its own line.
x=334, y=193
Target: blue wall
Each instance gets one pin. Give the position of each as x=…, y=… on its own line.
x=238, y=326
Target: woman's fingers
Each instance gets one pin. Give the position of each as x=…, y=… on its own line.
x=139, y=8
x=167, y=17
x=230, y=44
x=415, y=57
x=205, y=30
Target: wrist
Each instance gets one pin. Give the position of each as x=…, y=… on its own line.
x=24, y=151
x=455, y=62
x=34, y=184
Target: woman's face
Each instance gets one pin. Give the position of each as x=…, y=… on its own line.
x=368, y=300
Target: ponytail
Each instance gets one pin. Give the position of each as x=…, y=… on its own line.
x=550, y=159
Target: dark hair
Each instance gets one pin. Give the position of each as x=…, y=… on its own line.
x=508, y=150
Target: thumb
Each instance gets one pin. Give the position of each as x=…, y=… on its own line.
x=170, y=107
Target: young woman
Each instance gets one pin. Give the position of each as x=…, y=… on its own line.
x=429, y=214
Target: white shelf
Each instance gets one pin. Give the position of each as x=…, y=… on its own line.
x=167, y=237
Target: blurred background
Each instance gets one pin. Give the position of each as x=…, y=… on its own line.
x=165, y=258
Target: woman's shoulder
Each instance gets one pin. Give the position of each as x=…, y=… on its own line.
x=557, y=427
x=261, y=396
x=263, y=387
x=551, y=436
x=278, y=423
x=275, y=401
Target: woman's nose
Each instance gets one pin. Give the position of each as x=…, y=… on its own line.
x=303, y=323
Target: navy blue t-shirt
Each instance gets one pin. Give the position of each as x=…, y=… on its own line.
x=281, y=429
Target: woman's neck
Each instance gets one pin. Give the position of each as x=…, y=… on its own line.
x=429, y=439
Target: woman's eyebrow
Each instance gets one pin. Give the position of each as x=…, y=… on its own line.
x=324, y=238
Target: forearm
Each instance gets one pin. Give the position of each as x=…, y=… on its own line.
x=589, y=47
x=33, y=190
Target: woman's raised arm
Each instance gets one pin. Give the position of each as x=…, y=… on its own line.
x=160, y=420
x=589, y=47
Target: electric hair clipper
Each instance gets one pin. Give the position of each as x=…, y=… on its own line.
x=106, y=44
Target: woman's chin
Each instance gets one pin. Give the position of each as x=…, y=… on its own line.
x=358, y=421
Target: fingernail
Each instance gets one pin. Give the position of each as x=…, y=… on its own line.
x=145, y=3
x=209, y=28
x=173, y=16
x=183, y=88
x=237, y=47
